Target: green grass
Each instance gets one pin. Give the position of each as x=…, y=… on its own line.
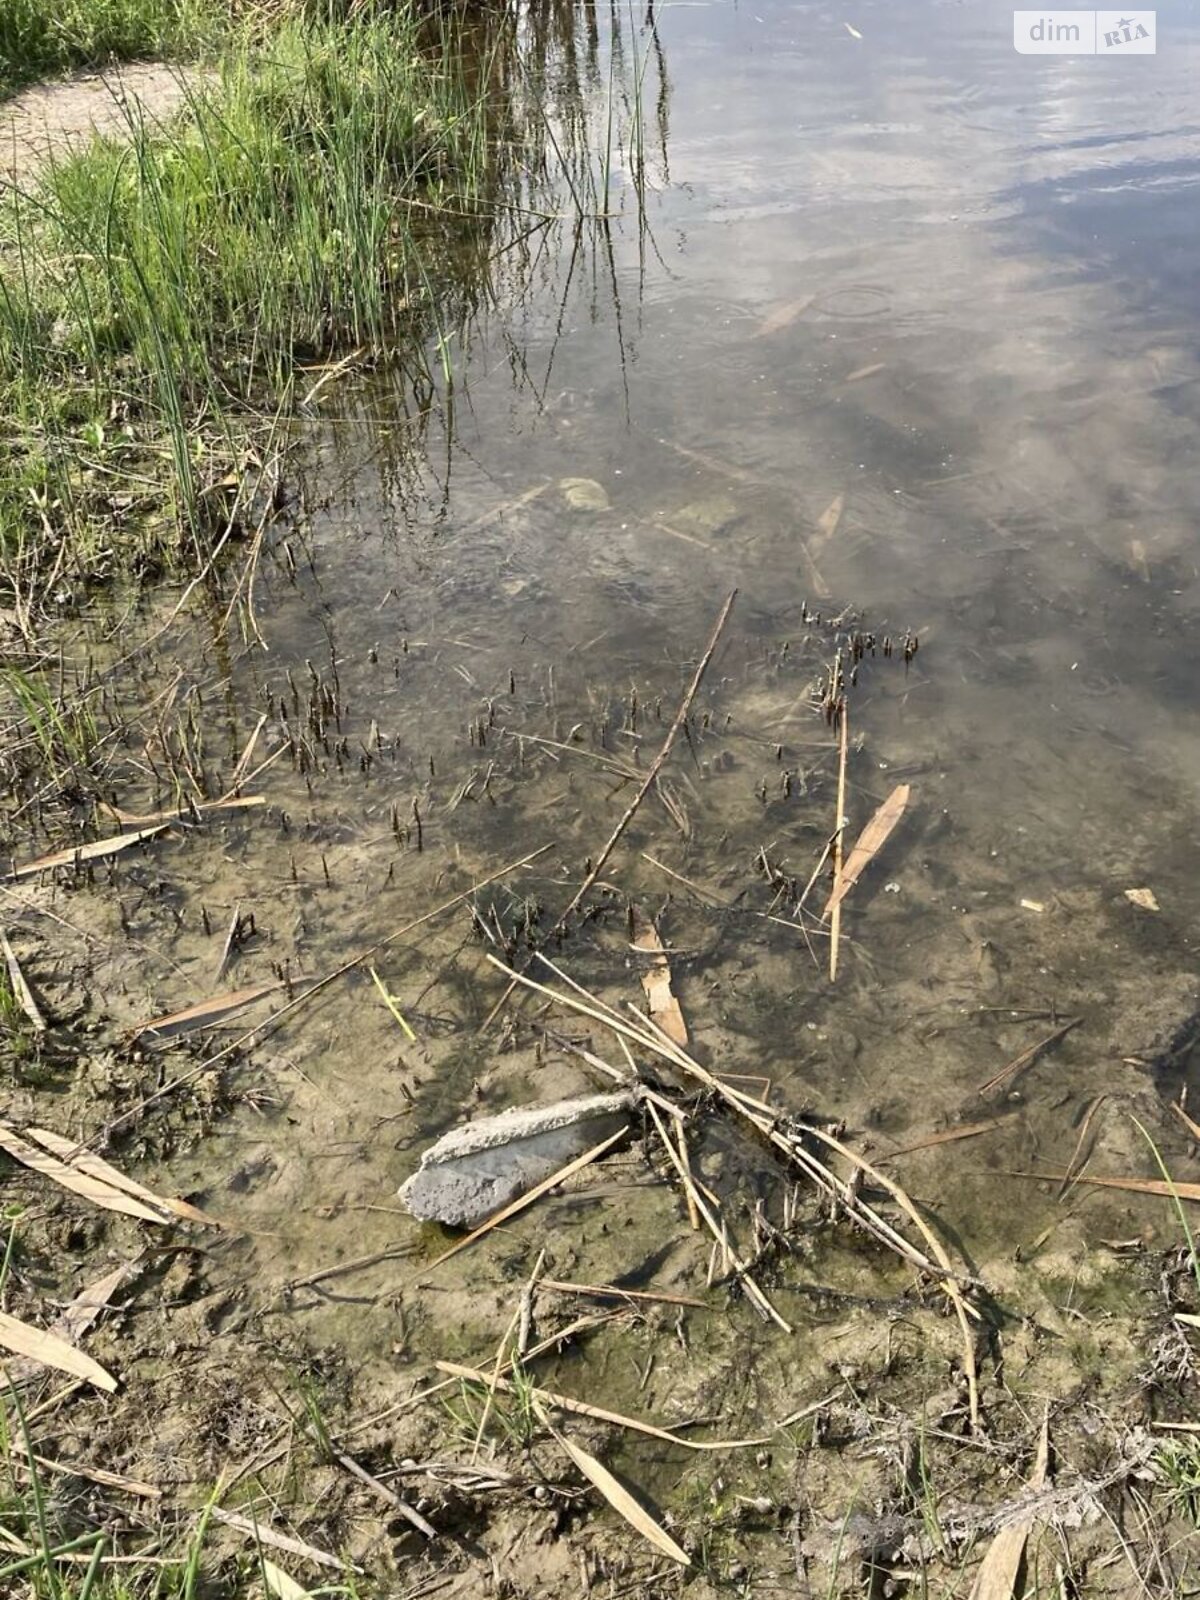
x=39, y=38
x=320, y=193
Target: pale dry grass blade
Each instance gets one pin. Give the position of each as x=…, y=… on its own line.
x=620, y=1499
x=1000, y=1569
x=206, y=1013
x=20, y=988
x=869, y=843
x=51, y=1351
x=81, y=1160
x=581, y=1408
x=99, y=1192
x=198, y=809
x=78, y=854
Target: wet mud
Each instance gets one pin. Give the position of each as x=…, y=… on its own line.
x=457, y=647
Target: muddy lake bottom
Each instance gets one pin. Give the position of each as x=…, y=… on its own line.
x=885, y=395
x=314, y=1313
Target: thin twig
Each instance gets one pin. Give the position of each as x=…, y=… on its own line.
x=1008, y=1075
x=646, y=785
x=527, y=1199
x=835, y=920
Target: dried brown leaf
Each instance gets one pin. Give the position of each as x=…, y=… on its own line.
x=868, y=845
x=51, y=1351
x=783, y=316
x=75, y=1319
x=97, y=1190
x=620, y=1499
x=95, y=1167
x=656, y=981
x=206, y=1013
x=95, y=851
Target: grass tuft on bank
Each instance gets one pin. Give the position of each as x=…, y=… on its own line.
x=158, y=292
x=43, y=38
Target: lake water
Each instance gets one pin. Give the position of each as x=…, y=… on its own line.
x=888, y=321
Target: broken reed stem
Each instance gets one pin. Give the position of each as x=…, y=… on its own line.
x=521, y=1315
x=562, y=1402
x=766, y=1121
x=835, y=921
x=490, y=1398
x=718, y=1230
x=685, y=1158
x=948, y=1282
x=613, y=1291
x=763, y=1116
x=388, y=1496
x=685, y=705
x=554, y=1341
x=1008, y=1075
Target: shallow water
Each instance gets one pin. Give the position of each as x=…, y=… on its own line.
x=947, y=284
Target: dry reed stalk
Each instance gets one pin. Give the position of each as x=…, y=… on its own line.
x=490, y=1398
x=970, y=1130
x=686, y=1160
x=388, y=1496
x=580, y=1408
x=607, y=1291
x=617, y=1495
x=937, y=1263
x=1078, y=1159
x=265, y=1534
x=870, y=842
x=1008, y=1075
x=835, y=920
x=227, y=948
x=764, y=1117
x=553, y=1341
x=20, y=988
x=753, y=1293
x=514, y=1323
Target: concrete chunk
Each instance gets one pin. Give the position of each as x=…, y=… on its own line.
x=476, y=1169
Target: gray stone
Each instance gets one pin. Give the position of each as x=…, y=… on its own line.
x=476, y=1169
